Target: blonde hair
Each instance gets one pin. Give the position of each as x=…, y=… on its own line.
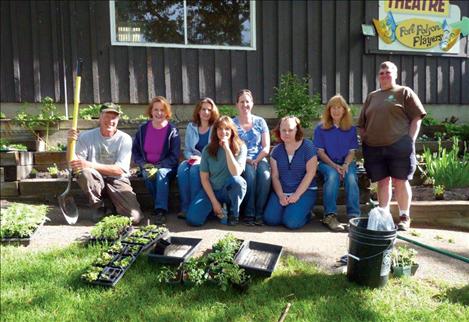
x=235, y=141
x=166, y=107
x=346, y=120
x=213, y=116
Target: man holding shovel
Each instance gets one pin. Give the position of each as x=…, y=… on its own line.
x=102, y=164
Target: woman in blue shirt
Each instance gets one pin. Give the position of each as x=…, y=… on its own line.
x=197, y=137
x=223, y=161
x=336, y=141
x=293, y=164
x=254, y=132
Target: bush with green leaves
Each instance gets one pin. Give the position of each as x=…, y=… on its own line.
x=21, y=220
x=90, y=112
x=446, y=168
x=110, y=228
x=228, y=110
x=292, y=98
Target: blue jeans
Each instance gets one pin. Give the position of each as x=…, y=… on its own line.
x=293, y=216
x=258, y=182
x=189, y=183
x=331, y=189
x=232, y=193
x=158, y=186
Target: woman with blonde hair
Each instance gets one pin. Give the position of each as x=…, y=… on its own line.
x=336, y=141
x=197, y=137
x=155, y=150
x=222, y=162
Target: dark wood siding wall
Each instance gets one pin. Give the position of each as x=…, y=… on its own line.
x=318, y=38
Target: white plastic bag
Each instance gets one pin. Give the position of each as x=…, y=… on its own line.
x=380, y=219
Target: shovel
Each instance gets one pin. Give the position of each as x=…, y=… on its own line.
x=66, y=202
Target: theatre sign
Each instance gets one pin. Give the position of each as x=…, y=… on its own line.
x=428, y=26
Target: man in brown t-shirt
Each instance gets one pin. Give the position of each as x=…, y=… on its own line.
x=389, y=124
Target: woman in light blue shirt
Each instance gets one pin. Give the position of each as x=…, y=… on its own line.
x=197, y=137
x=254, y=132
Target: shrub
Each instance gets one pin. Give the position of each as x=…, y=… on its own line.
x=292, y=98
x=445, y=168
x=228, y=110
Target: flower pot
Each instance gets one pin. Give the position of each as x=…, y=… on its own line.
x=413, y=269
x=400, y=271
x=439, y=196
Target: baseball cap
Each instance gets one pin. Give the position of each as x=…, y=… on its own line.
x=110, y=107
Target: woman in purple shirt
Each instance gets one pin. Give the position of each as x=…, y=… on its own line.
x=293, y=164
x=336, y=141
x=155, y=150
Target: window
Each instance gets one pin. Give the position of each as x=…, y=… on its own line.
x=220, y=24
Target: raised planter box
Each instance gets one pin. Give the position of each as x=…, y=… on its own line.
x=258, y=258
x=174, y=251
x=14, y=158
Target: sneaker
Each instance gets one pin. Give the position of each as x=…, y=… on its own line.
x=249, y=221
x=182, y=215
x=259, y=222
x=233, y=221
x=332, y=223
x=404, y=223
x=160, y=217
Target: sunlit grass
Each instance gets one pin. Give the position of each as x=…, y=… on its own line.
x=46, y=286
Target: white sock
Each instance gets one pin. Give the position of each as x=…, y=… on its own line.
x=404, y=212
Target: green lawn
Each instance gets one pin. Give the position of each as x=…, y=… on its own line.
x=46, y=286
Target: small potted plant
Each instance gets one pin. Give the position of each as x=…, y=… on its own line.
x=439, y=192
x=33, y=173
x=404, y=261
x=53, y=171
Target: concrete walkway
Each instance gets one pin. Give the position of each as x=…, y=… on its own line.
x=313, y=243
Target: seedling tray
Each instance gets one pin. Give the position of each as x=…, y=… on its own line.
x=146, y=245
x=258, y=258
x=114, y=273
x=174, y=251
x=22, y=241
x=122, y=235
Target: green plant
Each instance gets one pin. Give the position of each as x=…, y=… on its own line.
x=445, y=168
x=141, y=117
x=228, y=110
x=166, y=274
x=404, y=256
x=91, y=274
x=428, y=120
x=292, y=98
x=194, y=270
x=2, y=116
x=110, y=227
x=439, y=191
x=47, y=116
x=123, y=262
x=58, y=148
x=53, y=170
x=33, y=171
x=103, y=259
x=90, y=112
x=21, y=220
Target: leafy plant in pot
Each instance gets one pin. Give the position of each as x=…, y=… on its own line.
x=53, y=171
x=439, y=192
x=404, y=261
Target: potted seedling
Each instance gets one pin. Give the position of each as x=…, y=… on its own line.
x=53, y=171
x=439, y=192
x=403, y=260
x=33, y=173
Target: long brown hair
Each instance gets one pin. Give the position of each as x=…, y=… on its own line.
x=213, y=116
x=166, y=107
x=345, y=122
x=235, y=141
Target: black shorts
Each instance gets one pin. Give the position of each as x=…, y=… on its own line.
x=396, y=160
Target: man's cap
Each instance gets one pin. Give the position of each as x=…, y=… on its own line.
x=110, y=107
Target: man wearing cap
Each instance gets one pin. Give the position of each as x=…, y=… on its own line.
x=102, y=162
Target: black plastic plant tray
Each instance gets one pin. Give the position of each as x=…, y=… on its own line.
x=23, y=241
x=174, y=251
x=150, y=243
x=115, y=274
x=119, y=257
x=127, y=249
x=258, y=258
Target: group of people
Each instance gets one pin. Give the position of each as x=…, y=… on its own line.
x=229, y=171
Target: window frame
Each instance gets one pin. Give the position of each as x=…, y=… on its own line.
x=114, y=42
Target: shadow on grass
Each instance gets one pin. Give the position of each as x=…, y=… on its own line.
x=458, y=295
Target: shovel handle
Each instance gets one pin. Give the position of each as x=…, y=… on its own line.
x=76, y=103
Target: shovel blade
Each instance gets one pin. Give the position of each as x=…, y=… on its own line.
x=69, y=208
